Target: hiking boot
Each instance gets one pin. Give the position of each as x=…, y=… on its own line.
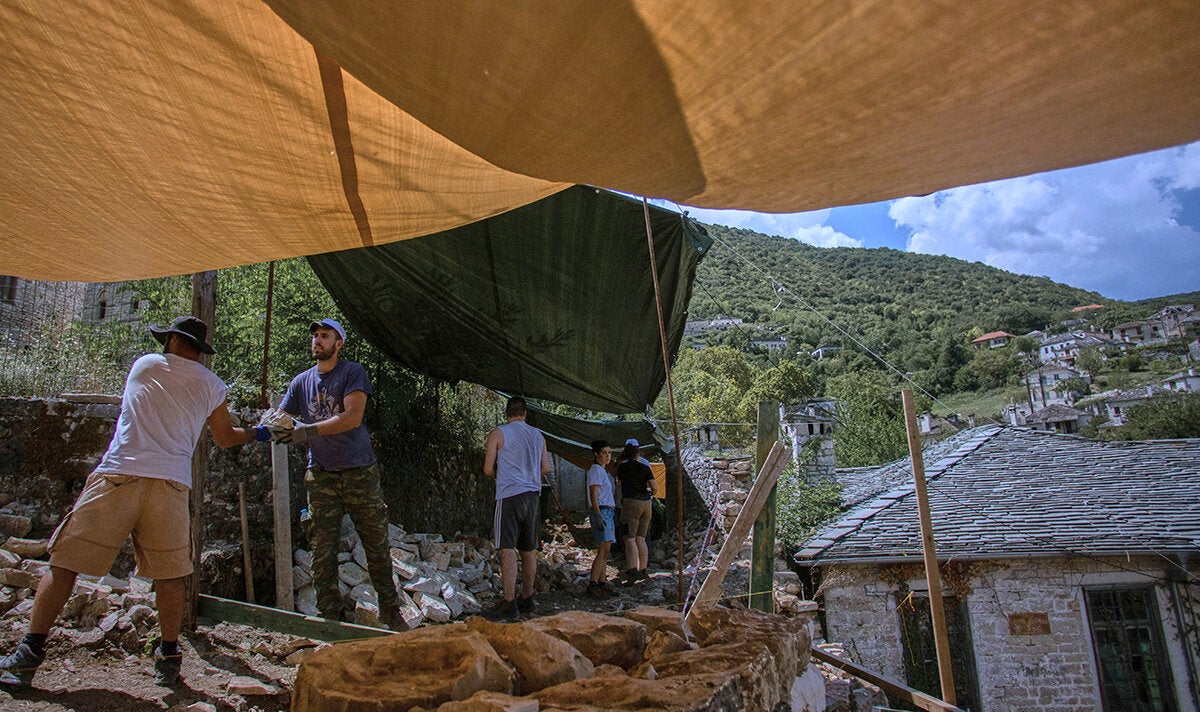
x=390, y=616
x=166, y=667
x=17, y=669
x=642, y=575
x=604, y=586
x=596, y=590
x=526, y=605
x=631, y=577
x=504, y=610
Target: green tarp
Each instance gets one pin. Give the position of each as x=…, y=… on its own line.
x=572, y=437
x=553, y=300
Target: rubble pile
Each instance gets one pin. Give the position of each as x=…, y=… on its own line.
x=438, y=580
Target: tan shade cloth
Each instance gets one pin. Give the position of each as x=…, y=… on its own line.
x=156, y=137
x=149, y=138
x=778, y=106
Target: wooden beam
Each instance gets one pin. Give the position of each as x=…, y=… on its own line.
x=246, y=566
x=710, y=590
x=282, y=496
x=933, y=575
x=897, y=689
x=223, y=609
x=762, y=550
x=204, y=307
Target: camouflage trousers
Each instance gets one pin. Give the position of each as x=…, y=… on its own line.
x=354, y=491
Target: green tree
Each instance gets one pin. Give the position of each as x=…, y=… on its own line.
x=802, y=507
x=870, y=427
x=1166, y=417
x=1089, y=360
x=787, y=382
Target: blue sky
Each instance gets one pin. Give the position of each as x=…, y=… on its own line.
x=1127, y=228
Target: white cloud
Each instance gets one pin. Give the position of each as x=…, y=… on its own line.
x=824, y=236
x=766, y=223
x=1109, y=227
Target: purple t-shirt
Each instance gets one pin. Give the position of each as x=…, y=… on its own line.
x=314, y=396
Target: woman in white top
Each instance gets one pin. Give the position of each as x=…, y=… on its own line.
x=602, y=505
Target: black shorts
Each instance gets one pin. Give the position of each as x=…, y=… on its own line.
x=515, y=525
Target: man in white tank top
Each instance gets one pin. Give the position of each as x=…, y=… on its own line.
x=515, y=455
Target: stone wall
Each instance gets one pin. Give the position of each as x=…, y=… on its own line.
x=1027, y=621
x=49, y=446
x=722, y=481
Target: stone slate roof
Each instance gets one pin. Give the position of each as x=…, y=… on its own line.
x=1055, y=413
x=1002, y=492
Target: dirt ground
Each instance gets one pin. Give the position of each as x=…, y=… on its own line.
x=218, y=658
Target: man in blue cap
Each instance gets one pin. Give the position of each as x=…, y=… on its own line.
x=328, y=401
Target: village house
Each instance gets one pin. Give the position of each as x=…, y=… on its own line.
x=1043, y=385
x=992, y=340
x=1065, y=347
x=719, y=323
x=1173, y=319
x=1070, y=577
x=773, y=343
x=1183, y=382
x=1056, y=418
x=1115, y=404
x=1142, y=331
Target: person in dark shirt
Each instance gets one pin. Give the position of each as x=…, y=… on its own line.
x=637, y=486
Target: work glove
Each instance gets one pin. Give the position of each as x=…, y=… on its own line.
x=295, y=435
x=597, y=521
x=262, y=433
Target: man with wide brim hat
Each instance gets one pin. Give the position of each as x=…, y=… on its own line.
x=140, y=488
x=190, y=328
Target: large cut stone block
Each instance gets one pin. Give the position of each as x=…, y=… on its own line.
x=717, y=692
x=541, y=660
x=424, y=667
x=788, y=638
x=763, y=684
x=602, y=639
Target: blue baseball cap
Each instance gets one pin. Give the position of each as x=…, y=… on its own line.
x=328, y=324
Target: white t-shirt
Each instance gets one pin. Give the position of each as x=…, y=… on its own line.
x=167, y=400
x=597, y=475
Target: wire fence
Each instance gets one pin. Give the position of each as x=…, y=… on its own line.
x=67, y=337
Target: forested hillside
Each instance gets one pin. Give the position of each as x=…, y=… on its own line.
x=908, y=308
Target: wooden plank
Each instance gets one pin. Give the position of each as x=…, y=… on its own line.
x=223, y=609
x=898, y=689
x=710, y=590
x=282, y=496
x=933, y=575
x=246, y=567
x=762, y=550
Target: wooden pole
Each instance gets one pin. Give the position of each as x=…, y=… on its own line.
x=204, y=306
x=710, y=590
x=282, y=498
x=263, y=403
x=932, y=573
x=662, y=335
x=246, y=543
x=762, y=551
